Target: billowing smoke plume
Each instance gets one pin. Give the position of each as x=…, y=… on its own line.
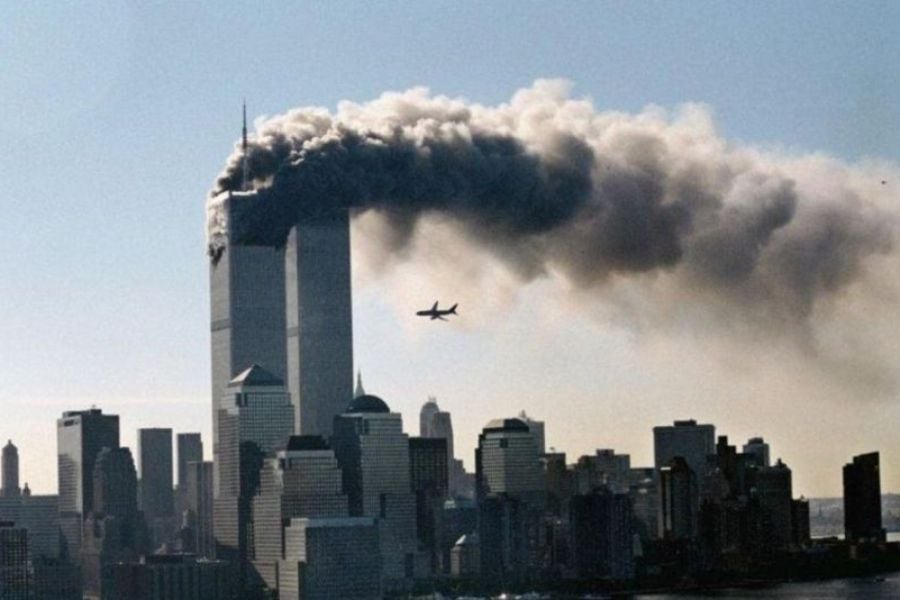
x=548, y=184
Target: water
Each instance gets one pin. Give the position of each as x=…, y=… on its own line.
x=886, y=587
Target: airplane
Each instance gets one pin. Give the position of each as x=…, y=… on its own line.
x=435, y=313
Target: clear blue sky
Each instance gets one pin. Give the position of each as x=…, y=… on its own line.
x=116, y=117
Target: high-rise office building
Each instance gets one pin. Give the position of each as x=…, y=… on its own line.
x=319, y=320
x=643, y=490
x=686, y=439
x=199, y=509
x=692, y=442
x=537, y=430
x=436, y=423
x=255, y=419
x=14, y=575
x=505, y=551
x=156, y=499
x=330, y=558
x=800, y=534
x=190, y=449
x=426, y=418
x=429, y=479
x=247, y=302
x=114, y=531
x=759, y=449
x=37, y=514
x=774, y=492
x=604, y=468
x=507, y=461
x=677, y=498
x=862, y=499
x=512, y=495
x=56, y=579
x=166, y=577
x=286, y=306
x=458, y=518
x=302, y=480
x=10, y=469
x=373, y=453
x=602, y=535
x=80, y=436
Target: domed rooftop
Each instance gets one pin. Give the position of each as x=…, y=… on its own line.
x=368, y=403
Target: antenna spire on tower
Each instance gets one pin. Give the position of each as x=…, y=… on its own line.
x=246, y=163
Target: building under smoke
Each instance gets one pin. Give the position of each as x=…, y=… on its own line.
x=284, y=303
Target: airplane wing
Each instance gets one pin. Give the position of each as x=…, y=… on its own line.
x=434, y=308
x=440, y=317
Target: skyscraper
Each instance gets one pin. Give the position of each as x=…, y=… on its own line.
x=686, y=439
x=373, y=453
x=156, y=499
x=284, y=305
x=758, y=448
x=426, y=418
x=10, y=469
x=331, y=558
x=319, y=320
x=302, y=480
x=199, y=509
x=80, y=435
x=436, y=423
x=255, y=419
x=115, y=530
x=507, y=461
x=190, y=449
x=862, y=499
x=512, y=495
x=774, y=491
x=677, y=500
x=247, y=305
x=602, y=532
x=429, y=478
x=39, y=515
x=537, y=430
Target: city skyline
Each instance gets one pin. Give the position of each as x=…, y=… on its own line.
x=135, y=315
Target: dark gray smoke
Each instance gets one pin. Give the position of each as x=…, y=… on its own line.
x=549, y=183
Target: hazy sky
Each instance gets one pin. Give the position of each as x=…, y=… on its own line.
x=118, y=117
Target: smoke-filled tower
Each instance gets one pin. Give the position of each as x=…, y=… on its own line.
x=319, y=321
x=284, y=304
x=247, y=297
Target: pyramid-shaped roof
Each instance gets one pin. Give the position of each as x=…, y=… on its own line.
x=255, y=376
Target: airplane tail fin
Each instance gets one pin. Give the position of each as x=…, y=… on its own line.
x=453, y=309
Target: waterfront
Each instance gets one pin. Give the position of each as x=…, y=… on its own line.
x=868, y=588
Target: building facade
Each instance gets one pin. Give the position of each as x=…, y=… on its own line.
x=319, y=320
x=156, y=498
x=198, y=521
x=259, y=418
x=189, y=449
x=15, y=580
x=862, y=499
x=331, y=558
x=80, y=436
x=373, y=453
x=302, y=480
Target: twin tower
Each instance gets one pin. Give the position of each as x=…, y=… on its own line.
x=285, y=304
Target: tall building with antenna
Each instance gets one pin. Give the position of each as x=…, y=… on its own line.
x=286, y=306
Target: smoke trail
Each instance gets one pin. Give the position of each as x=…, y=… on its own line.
x=548, y=183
